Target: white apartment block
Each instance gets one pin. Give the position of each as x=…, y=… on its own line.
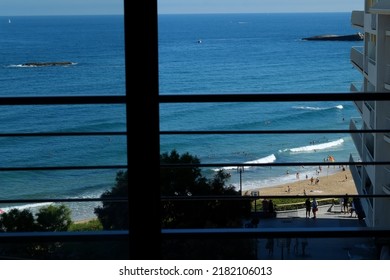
x=373, y=61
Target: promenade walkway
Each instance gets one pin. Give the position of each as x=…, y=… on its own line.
x=315, y=248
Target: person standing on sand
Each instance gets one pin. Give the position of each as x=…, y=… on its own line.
x=308, y=207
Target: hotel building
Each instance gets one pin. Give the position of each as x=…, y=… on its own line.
x=373, y=61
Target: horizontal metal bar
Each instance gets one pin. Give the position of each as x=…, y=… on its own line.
x=52, y=168
x=57, y=200
x=208, y=132
x=63, y=100
x=68, y=236
x=63, y=134
x=250, y=198
x=271, y=97
x=190, y=98
x=318, y=232
x=273, y=164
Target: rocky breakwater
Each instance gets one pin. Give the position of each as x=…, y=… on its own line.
x=47, y=64
x=332, y=37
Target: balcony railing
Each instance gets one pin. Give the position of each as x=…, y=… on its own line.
x=100, y=236
x=356, y=57
x=357, y=19
x=355, y=125
x=262, y=233
x=148, y=49
x=387, y=135
x=145, y=232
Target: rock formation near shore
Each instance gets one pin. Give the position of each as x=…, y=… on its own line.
x=332, y=37
x=45, y=64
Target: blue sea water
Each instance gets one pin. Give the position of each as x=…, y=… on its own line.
x=230, y=53
x=95, y=46
x=257, y=53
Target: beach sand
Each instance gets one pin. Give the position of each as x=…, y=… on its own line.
x=338, y=183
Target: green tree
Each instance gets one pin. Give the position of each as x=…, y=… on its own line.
x=113, y=214
x=184, y=182
x=188, y=181
x=54, y=218
x=17, y=221
x=181, y=181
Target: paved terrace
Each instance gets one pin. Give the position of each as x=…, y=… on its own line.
x=315, y=248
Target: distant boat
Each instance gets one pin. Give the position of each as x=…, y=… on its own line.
x=331, y=37
x=9, y=21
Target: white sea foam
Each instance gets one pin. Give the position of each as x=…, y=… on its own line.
x=313, y=148
x=26, y=206
x=309, y=108
x=267, y=159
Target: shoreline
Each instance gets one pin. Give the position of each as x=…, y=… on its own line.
x=338, y=183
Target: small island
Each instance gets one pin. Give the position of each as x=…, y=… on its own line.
x=46, y=64
x=331, y=37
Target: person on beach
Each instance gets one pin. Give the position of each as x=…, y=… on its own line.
x=308, y=207
x=314, y=206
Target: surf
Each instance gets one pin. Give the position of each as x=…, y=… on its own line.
x=317, y=147
x=263, y=160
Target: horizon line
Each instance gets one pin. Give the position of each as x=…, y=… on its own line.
x=237, y=13
x=57, y=15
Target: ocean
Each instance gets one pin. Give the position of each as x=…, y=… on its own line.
x=257, y=53
x=95, y=46
x=224, y=53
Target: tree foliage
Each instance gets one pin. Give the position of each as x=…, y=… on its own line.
x=114, y=215
x=188, y=181
x=17, y=221
x=49, y=218
x=54, y=218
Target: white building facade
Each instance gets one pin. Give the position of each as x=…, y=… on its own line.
x=373, y=61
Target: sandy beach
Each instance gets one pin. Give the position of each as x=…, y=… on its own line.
x=338, y=183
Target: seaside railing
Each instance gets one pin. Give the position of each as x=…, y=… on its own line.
x=150, y=100
x=99, y=237
x=147, y=232
x=288, y=232
x=105, y=236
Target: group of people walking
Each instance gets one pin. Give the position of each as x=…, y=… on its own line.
x=346, y=206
